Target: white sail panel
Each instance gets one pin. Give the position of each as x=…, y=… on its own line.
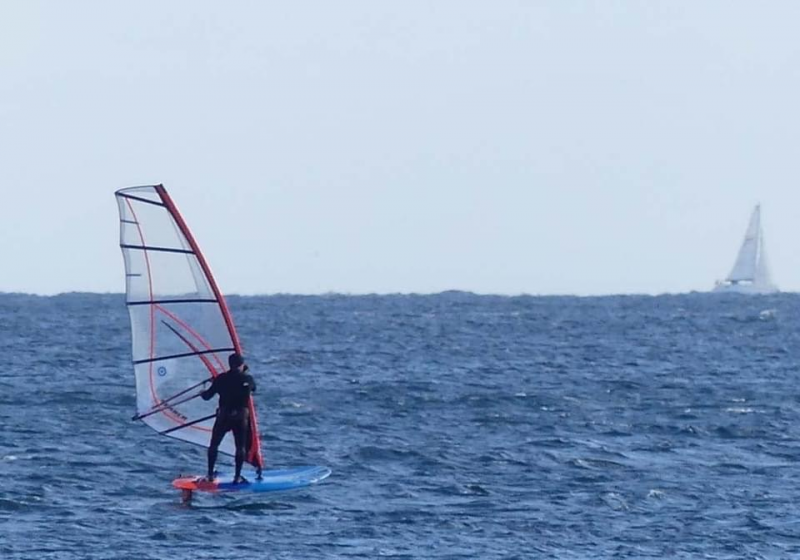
x=763, y=276
x=746, y=261
x=181, y=330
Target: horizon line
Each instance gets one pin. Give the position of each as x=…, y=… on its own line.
x=418, y=294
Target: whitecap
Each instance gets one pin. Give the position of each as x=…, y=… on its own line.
x=767, y=314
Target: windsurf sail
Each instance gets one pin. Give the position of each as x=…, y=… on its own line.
x=181, y=329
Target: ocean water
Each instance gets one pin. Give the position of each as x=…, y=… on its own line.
x=456, y=425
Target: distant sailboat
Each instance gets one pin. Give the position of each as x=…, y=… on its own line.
x=750, y=274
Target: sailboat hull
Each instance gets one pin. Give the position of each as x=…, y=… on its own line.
x=744, y=288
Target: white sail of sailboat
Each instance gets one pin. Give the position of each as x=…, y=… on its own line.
x=750, y=273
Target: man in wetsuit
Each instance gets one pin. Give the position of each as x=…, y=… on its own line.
x=234, y=388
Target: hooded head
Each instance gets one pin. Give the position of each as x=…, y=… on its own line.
x=235, y=361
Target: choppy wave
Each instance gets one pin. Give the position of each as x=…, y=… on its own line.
x=456, y=425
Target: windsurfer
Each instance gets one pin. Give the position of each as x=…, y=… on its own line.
x=234, y=388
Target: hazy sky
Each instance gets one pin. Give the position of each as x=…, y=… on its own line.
x=499, y=146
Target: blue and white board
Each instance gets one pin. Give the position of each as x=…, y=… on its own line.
x=271, y=481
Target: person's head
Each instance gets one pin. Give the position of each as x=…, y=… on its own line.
x=235, y=361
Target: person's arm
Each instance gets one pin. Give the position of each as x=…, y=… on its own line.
x=250, y=380
x=211, y=391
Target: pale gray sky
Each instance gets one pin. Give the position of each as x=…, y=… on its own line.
x=499, y=146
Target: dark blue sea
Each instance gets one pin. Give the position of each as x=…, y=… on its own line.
x=456, y=425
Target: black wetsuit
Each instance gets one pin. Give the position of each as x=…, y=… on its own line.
x=233, y=414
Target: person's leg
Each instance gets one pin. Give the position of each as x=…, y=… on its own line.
x=217, y=433
x=241, y=429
